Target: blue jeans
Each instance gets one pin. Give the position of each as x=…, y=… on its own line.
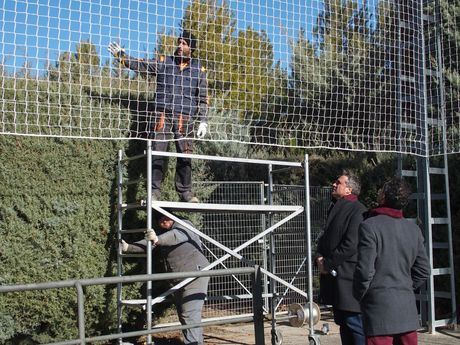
x=351, y=327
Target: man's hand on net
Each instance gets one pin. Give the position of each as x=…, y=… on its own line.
x=116, y=50
x=150, y=235
x=202, y=129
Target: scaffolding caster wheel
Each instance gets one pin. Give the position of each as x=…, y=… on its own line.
x=313, y=340
x=277, y=337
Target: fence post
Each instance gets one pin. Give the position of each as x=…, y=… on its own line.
x=257, y=306
x=81, y=313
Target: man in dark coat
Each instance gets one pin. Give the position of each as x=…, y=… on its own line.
x=181, y=99
x=392, y=263
x=337, y=257
x=182, y=251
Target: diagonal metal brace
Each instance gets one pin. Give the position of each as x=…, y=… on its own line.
x=229, y=251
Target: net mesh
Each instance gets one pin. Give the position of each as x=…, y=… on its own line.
x=356, y=75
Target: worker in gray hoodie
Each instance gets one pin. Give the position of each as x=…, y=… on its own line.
x=182, y=251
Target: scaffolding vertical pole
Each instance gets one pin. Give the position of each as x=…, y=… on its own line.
x=423, y=166
x=263, y=221
x=119, y=257
x=424, y=210
x=257, y=306
x=273, y=300
x=423, y=175
x=311, y=332
x=453, y=301
x=148, y=308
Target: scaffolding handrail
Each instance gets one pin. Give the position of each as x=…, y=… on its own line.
x=208, y=207
x=218, y=158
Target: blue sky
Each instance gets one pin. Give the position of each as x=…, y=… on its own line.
x=40, y=31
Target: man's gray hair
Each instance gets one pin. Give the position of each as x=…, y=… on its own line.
x=353, y=182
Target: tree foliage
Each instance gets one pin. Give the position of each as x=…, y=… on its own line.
x=342, y=84
x=239, y=62
x=57, y=216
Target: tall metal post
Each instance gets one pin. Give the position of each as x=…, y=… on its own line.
x=257, y=308
x=274, y=299
x=81, y=313
x=265, y=247
x=424, y=211
x=148, y=308
x=423, y=167
x=311, y=331
x=119, y=258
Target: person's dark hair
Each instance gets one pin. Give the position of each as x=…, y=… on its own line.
x=396, y=193
x=188, y=37
x=353, y=182
x=156, y=216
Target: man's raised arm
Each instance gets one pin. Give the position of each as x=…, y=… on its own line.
x=139, y=65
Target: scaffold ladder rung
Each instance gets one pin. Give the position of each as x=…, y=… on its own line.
x=441, y=271
x=133, y=231
x=409, y=173
x=443, y=322
x=440, y=221
x=440, y=245
x=133, y=255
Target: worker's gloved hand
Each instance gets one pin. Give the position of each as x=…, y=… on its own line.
x=150, y=235
x=202, y=129
x=116, y=50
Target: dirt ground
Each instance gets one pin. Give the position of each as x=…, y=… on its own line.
x=243, y=334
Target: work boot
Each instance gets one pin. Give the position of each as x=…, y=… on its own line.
x=188, y=197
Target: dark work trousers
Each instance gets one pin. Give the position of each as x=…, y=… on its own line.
x=351, y=327
x=165, y=127
x=189, y=303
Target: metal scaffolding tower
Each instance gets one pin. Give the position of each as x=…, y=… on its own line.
x=284, y=214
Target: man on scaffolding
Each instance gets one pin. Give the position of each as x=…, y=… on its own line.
x=181, y=99
x=182, y=251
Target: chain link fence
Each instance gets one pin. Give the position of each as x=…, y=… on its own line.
x=231, y=295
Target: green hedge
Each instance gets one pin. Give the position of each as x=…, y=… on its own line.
x=58, y=221
x=55, y=217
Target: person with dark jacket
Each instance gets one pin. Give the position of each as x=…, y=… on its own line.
x=337, y=256
x=181, y=99
x=182, y=251
x=392, y=263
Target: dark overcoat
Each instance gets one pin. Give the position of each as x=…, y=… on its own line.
x=392, y=262
x=338, y=245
